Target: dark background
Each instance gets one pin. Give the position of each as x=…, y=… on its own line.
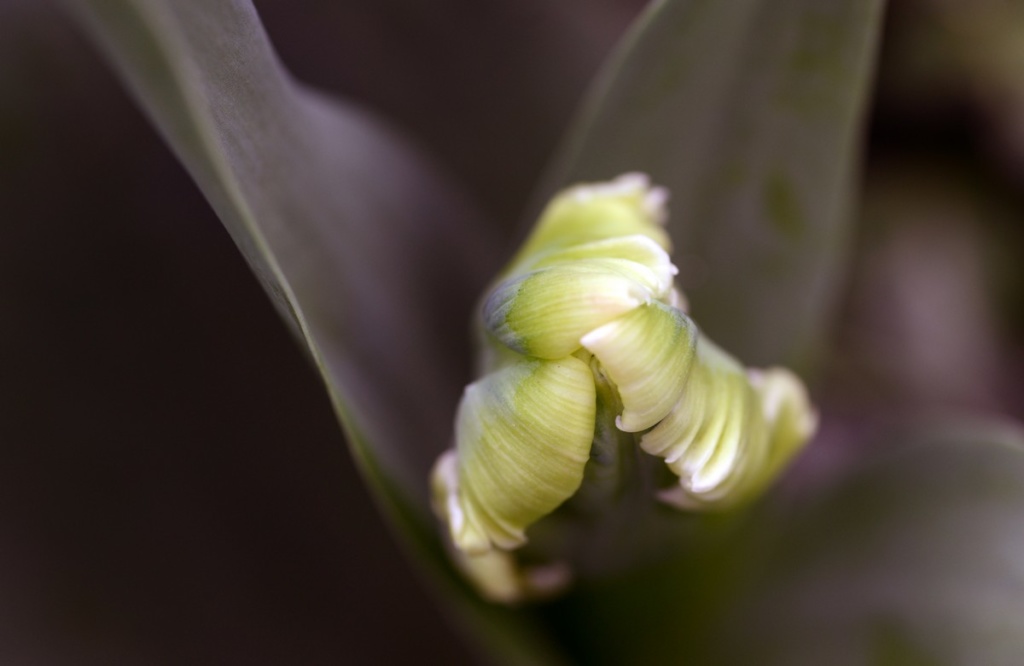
x=173, y=485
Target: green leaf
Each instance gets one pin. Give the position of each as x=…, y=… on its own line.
x=748, y=111
x=914, y=559
x=367, y=250
x=354, y=235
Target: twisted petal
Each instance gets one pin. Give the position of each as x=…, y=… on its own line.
x=731, y=431
x=647, y=353
x=637, y=248
x=523, y=437
x=545, y=312
x=787, y=410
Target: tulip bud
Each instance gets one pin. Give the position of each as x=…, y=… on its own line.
x=586, y=319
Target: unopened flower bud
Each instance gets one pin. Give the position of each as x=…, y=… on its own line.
x=587, y=317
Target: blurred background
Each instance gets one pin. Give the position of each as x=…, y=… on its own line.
x=173, y=485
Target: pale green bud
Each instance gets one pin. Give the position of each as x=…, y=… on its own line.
x=587, y=304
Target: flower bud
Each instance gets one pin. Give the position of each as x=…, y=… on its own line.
x=585, y=318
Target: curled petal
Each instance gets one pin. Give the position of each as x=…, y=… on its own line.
x=787, y=410
x=636, y=248
x=731, y=431
x=523, y=437
x=647, y=354
x=544, y=313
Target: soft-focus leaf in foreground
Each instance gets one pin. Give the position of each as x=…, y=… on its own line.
x=351, y=232
x=364, y=247
x=749, y=113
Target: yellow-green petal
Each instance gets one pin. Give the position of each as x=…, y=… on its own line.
x=545, y=312
x=625, y=206
x=523, y=437
x=731, y=431
x=786, y=408
x=713, y=433
x=647, y=353
x=636, y=248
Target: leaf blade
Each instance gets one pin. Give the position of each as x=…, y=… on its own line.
x=324, y=202
x=749, y=113
x=367, y=250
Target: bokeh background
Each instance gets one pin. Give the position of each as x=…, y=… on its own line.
x=173, y=485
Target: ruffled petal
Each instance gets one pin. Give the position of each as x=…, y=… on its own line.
x=636, y=248
x=523, y=437
x=545, y=312
x=647, y=354
x=731, y=431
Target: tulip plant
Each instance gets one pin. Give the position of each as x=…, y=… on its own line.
x=611, y=487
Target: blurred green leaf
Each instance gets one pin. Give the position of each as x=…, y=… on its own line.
x=913, y=559
x=365, y=248
x=749, y=112
x=361, y=243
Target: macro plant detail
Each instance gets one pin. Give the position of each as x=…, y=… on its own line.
x=588, y=307
x=614, y=487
